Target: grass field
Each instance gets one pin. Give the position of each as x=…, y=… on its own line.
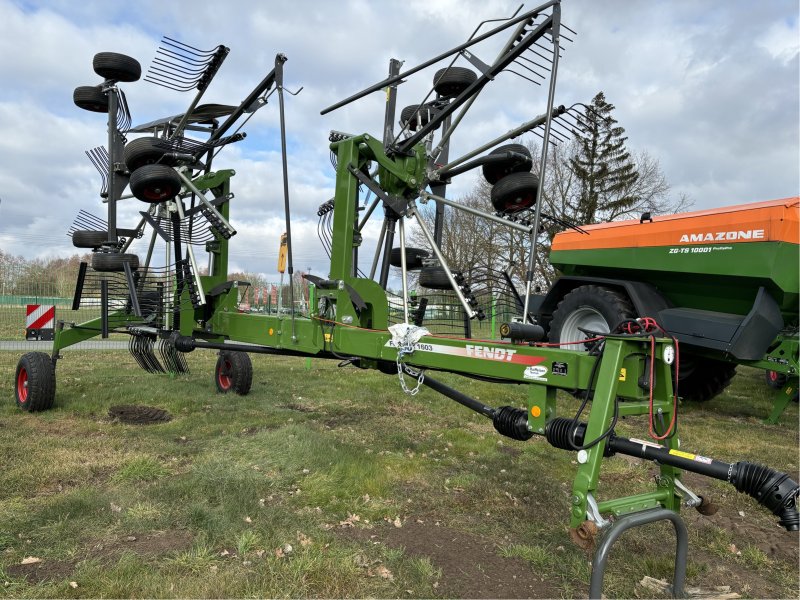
x=329, y=482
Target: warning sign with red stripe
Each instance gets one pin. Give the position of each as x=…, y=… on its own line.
x=40, y=316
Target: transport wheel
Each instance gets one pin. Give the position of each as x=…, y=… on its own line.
x=701, y=379
x=155, y=183
x=589, y=307
x=113, y=262
x=515, y=192
x=35, y=382
x=234, y=372
x=435, y=278
x=774, y=379
x=87, y=238
x=118, y=67
x=90, y=97
x=143, y=151
x=494, y=172
x=450, y=82
x=414, y=257
x=416, y=116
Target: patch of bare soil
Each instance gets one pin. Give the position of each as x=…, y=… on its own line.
x=132, y=414
x=470, y=565
x=153, y=544
x=149, y=545
x=46, y=570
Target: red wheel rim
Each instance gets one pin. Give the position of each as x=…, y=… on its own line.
x=773, y=375
x=22, y=386
x=224, y=377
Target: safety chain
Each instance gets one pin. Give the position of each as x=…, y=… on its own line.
x=402, y=367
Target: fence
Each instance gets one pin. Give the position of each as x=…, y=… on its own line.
x=439, y=311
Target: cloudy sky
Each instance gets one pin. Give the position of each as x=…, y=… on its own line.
x=708, y=87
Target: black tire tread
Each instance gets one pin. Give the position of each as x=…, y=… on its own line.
x=414, y=258
x=434, y=278
x=41, y=381
x=142, y=151
x=241, y=372
x=450, y=82
x=147, y=177
x=410, y=115
x=494, y=172
x=707, y=379
x=513, y=187
x=112, y=262
x=88, y=238
x=91, y=98
x=119, y=67
x=611, y=301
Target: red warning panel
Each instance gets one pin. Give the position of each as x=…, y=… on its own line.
x=40, y=319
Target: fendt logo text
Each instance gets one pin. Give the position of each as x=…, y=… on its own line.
x=722, y=236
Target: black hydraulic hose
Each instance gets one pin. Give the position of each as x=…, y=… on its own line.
x=772, y=489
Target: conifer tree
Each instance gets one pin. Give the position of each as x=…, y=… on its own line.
x=605, y=170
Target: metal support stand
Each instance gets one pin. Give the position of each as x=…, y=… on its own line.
x=630, y=521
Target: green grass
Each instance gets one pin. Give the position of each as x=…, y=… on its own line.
x=213, y=495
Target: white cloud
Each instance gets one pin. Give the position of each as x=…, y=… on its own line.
x=708, y=88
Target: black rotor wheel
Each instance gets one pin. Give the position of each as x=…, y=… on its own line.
x=417, y=116
x=118, y=67
x=414, y=258
x=113, y=262
x=495, y=171
x=450, y=82
x=87, y=238
x=91, y=98
x=155, y=183
x=515, y=192
x=143, y=151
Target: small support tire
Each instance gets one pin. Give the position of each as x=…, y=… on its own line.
x=143, y=151
x=495, y=171
x=414, y=258
x=450, y=82
x=113, y=262
x=417, y=116
x=233, y=372
x=775, y=380
x=515, y=192
x=155, y=183
x=91, y=98
x=119, y=67
x=435, y=278
x=35, y=382
x=87, y=238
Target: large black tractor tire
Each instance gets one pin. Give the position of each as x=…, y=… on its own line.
x=495, y=171
x=435, y=278
x=515, y=192
x=701, y=379
x=450, y=82
x=233, y=372
x=775, y=380
x=414, y=258
x=417, y=116
x=143, y=151
x=118, y=67
x=87, y=238
x=113, y=262
x=35, y=382
x=590, y=307
x=155, y=183
x=91, y=98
